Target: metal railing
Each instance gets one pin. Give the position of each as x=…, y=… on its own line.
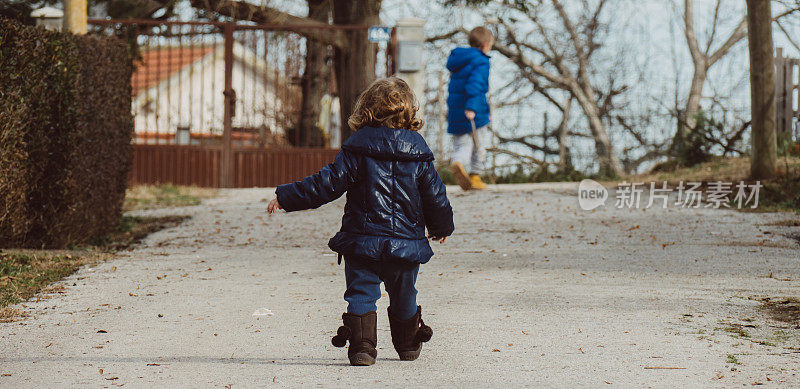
x=209, y=90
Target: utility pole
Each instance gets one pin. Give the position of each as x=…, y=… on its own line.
x=410, y=62
x=75, y=16
x=763, y=162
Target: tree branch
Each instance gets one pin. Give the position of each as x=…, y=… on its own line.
x=446, y=35
x=242, y=10
x=518, y=156
x=738, y=34
x=688, y=31
x=526, y=63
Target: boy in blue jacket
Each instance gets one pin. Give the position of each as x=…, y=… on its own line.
x=467, y=109
x=393, y=194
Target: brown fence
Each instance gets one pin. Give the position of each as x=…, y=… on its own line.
x=215, y=103
x=196, y=165
x=260, y=168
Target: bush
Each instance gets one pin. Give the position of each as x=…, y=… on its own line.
x=65, y=135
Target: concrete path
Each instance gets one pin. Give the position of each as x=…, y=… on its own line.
x=530, y=291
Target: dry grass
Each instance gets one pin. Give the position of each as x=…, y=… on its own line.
x=720, y=169
x=162, y=196
x=780, y=194
x=23, y=273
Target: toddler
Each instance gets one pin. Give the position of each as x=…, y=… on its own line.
x=393, y=194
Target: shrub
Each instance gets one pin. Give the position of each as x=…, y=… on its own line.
x=65, y=135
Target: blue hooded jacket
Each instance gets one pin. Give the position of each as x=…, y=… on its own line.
x=469, y=83
x=393, y=194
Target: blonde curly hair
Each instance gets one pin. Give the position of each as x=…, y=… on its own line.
x=388, y=102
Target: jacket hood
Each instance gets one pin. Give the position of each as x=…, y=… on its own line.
x=461, y=56
x=389, y=144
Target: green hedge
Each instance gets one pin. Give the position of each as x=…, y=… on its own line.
x=65, y=135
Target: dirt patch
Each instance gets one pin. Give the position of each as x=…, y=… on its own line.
x=784, y=223
x=783, y=309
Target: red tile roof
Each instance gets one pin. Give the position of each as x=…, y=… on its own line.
x=159, y=63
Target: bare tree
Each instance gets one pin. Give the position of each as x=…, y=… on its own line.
x=539, y=143
x=316, y=76
x=706, y=55
x=562, y=59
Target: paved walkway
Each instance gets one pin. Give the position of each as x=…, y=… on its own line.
x=531, y=291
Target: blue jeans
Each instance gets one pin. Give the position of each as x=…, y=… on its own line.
x=364, y=278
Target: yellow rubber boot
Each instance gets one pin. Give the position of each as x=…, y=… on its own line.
x=461, y=175
x=476, y=182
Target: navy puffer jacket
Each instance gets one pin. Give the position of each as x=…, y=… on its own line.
x=393, y=194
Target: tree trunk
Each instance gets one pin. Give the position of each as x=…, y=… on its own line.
x=693, y=102
x=688, y=120
x=315, y=81
x=607, y=158
x=355, y=66
x=762, y=89
x=564, y=157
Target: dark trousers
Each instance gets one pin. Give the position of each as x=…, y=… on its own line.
x=364, y=278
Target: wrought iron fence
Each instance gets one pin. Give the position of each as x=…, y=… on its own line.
x=218, y=88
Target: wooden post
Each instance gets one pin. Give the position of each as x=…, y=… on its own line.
x=442, y=121
x=784, y=135
x=75, y=16
x=779, y=95
x=763, y=161
x=226, y=170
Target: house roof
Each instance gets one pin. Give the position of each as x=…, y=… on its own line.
x=159, y=63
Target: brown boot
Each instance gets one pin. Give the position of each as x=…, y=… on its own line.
x=362, y=332
x=408, y=335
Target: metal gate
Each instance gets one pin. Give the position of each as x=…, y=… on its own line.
x=213, y=101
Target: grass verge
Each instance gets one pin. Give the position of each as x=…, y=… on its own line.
x=780, y=194
x=24, y=273
x=162, y=196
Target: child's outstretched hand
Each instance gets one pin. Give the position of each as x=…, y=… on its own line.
x=440, y=239
x=273, y=206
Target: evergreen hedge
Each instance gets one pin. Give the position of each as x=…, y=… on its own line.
x=65, y=135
